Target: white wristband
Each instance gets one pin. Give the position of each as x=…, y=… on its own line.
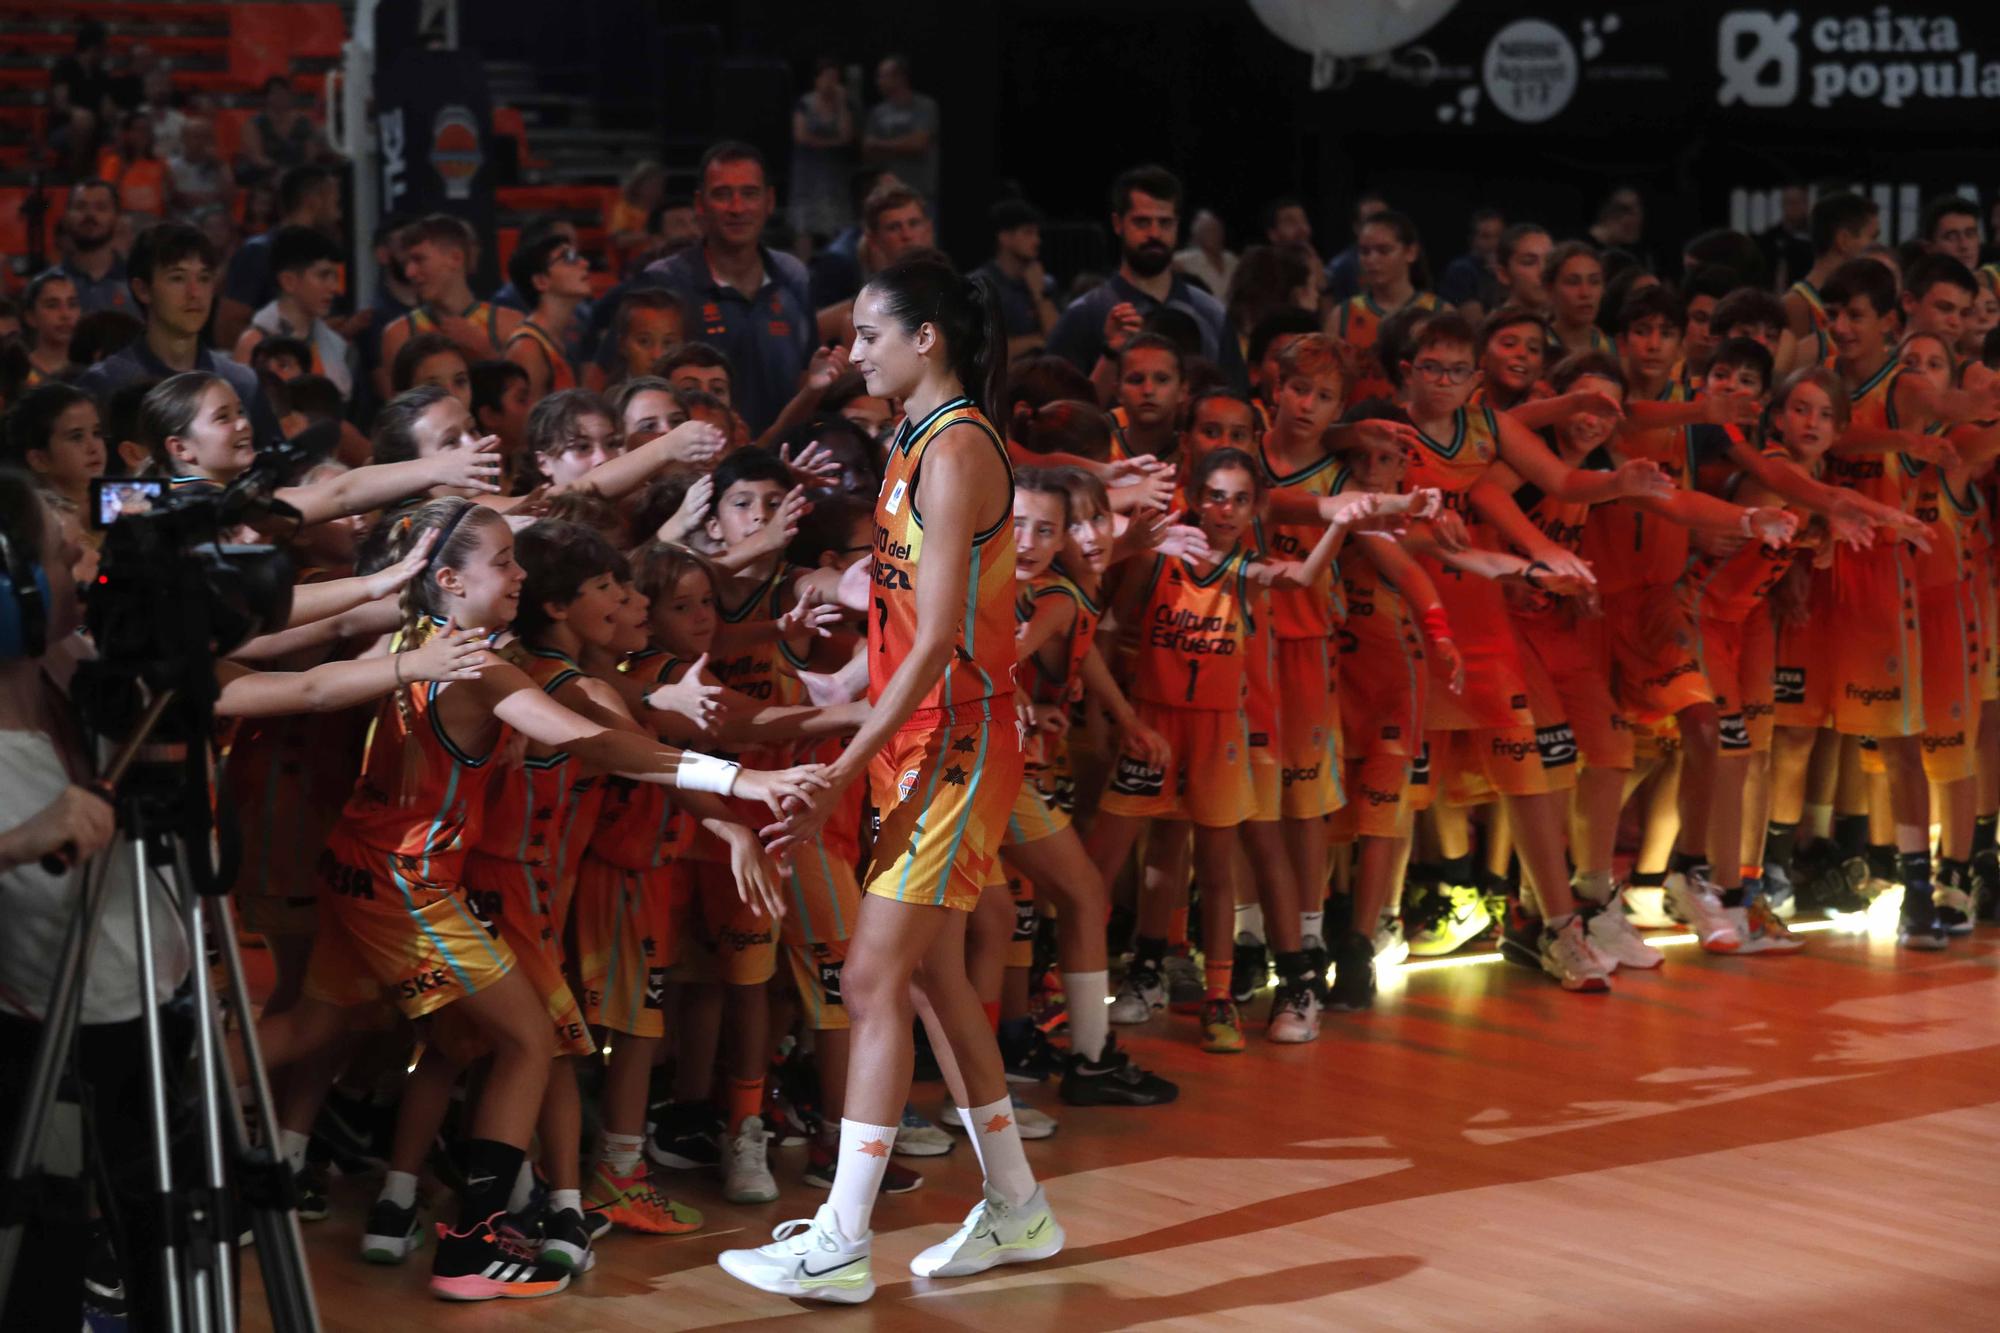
x=704, y=772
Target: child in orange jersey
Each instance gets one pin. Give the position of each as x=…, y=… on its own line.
x=556, y=277
x=1522, y=257
x=395, y=901
x=1949, y=618
x=1298, y=471
x=1575, y=659
x=652, y=885
x=1513, y=354
x=1056, y=640
x=1489, y=735
x=1844, y=225
x=1190, y=685
x=1394, y=624
x=1876, y=640
x=1151, y=391
x=1574, y=277
x=1218, y=419
x=1732, y=595
x=738, y=944
x=570, y=600
x=1391, y=257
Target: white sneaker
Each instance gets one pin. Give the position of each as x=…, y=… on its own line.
x=1294, y=1016
x=746, y=1171
x=1391, y=947
x=1028, y=1122
x=918, y=1137
x=1696, y=901
x=1614, y=940
x=1568, y=958
x=1760, y=930
x=1646, y=906
x=1140, y=995
x=995, y=1232
x=808, y=1259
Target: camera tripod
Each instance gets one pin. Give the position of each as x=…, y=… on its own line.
x=199, y=1278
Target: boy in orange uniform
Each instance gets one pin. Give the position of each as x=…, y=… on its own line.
x=1843, y=226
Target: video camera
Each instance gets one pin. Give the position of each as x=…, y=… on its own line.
x=173, y=594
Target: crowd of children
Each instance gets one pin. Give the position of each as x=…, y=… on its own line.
x=698, y=807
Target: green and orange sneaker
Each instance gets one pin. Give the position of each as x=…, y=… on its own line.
x=1221, y=1027
x=635, y=1203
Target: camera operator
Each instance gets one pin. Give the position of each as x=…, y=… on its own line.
x=43, y=807
x=46, y=806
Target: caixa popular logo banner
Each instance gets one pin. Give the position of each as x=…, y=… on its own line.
x=1891, y=58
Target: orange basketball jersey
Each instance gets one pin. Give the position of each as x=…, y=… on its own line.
x=1732, y=586
x=434, y=820
x=1049, y=676
x=1192, y=636
x=1300, y=613
x=983, y=656
x=528, y=810
x=1360, y=327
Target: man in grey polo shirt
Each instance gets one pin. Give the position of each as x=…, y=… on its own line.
x=1145, y=220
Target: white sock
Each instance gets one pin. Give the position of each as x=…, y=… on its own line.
x=1089, y=1018
x=292, y=1147
x=998, y=1141
x=1819, y=821
x=1249, y=923
x=524, y=1189
x=570, y=1199
x=1312, y=925
x=1592, y=885
x=621, y=1152
x=857, y=1174
x=399, y=1188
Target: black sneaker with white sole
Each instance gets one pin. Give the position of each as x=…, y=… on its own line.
x=1921, y=926
x=1113, y=1080
x=393, y=1234
x=1353, y=988
x=566, y=1240
x=1520, y=936
x=687, y=1136
x=309, y=1190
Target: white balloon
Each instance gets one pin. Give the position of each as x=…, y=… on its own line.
x=1349, y=27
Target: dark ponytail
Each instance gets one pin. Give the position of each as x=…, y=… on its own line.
x=924, y=288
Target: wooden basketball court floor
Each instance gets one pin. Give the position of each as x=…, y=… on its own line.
x=1802, y=1142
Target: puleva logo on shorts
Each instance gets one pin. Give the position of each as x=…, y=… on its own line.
x=1557, y=745
x=1789, y=685
x=895, y=500
x=1137, y=778
x=908, y=782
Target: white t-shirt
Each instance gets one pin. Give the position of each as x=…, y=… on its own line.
x=36, y=906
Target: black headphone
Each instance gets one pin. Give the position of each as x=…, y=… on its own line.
x=24, y=604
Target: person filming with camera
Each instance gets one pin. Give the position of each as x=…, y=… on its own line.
x=53, y=805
